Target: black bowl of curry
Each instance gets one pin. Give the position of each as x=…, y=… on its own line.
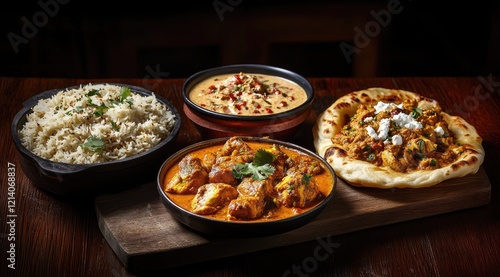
x=247, y=100
x=245, y=186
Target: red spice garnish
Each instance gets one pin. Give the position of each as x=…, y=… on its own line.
x=396, y=111
x=238, y=79
x=240, y=105
x=377, y=146
x=232, y=97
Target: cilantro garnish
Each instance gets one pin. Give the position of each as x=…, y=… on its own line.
x=260, y=168
x=115, y=126
x=306, y=178
x=94, y=144
x=416, y=112
x=125, y=92
x=93, y=92
x=421, y=144
x=123, y=97
x=99, y=110
x=129, y=101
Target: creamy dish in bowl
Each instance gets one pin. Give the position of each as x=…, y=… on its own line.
x=247, y=100
x=248, y=94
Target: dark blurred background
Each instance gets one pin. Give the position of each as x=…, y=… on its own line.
x=84, y=39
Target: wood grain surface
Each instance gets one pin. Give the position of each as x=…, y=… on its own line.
x=56, y=236
x=146, y=237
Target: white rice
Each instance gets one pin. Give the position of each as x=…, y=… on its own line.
x=59, y=127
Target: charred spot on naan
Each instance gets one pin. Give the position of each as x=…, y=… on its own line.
x=390, y=99
x=342, y=105
x=329, y=123
x=471, y=161
x=335, y=151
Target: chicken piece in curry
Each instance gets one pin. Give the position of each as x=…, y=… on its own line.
x=298, y=188
x=254, y=196
x=212, y=197
x=236, y=184
x=221, y=163
x=192, y=174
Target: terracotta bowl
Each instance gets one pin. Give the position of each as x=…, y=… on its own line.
x=212, y=124
x=220, y=227
x=77, y=180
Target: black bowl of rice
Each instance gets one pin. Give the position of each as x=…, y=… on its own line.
x=94, y=138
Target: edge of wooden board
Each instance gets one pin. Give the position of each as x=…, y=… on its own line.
x=146, y=237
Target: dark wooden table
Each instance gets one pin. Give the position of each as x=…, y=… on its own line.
x=54, y=236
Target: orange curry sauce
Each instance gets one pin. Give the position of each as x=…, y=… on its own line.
x=324, y=182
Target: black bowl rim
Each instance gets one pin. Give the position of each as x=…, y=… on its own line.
x=248, y=68
x=59, y=167
x=258, y=226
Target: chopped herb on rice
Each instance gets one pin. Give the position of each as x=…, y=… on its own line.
x=95, y=123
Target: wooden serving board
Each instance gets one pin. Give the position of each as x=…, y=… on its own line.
x=145, y=236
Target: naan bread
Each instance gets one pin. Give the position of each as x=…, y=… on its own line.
x=362, y=173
